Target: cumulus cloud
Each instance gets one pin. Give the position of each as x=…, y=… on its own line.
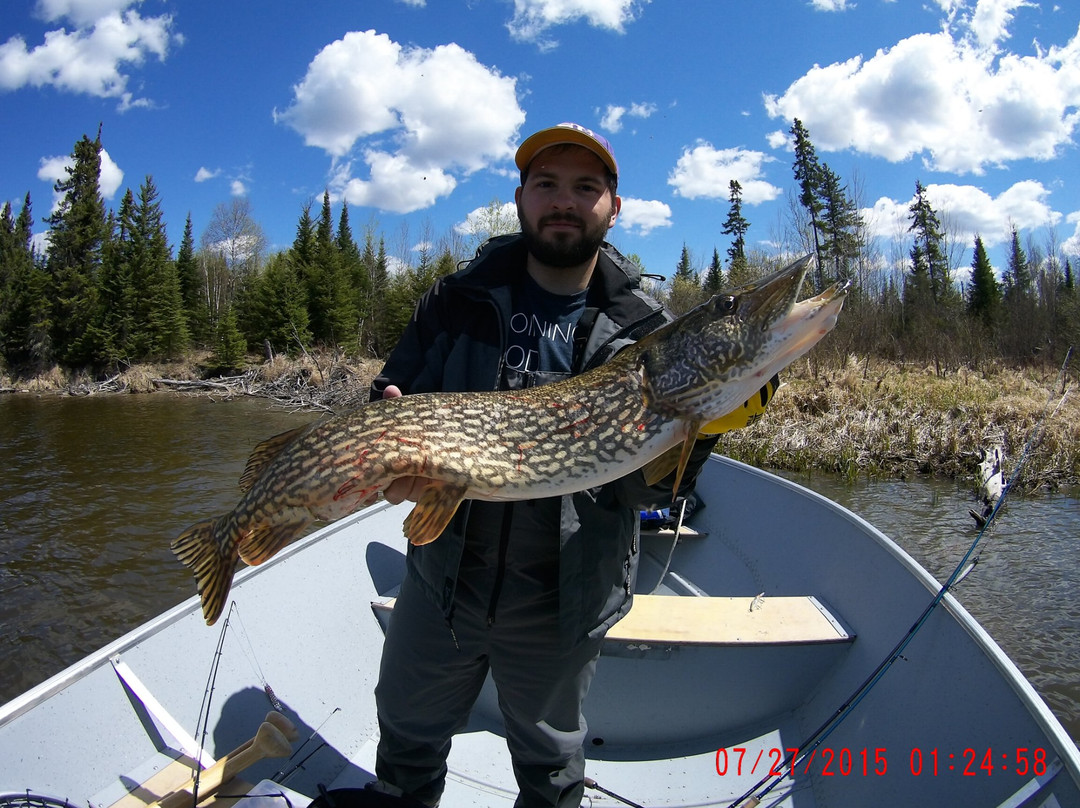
x=966, y=210
x=94, y=58
x=54, y=169
x=613, y=115
x=415, y=116
x=829, y=5
x=705, y=171
x=1071, y=245
x=642, y=216
x=533, y=18
x=953, y=97
x=204, y=174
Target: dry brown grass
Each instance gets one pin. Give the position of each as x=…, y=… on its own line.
x=888, y=420
x=866, y=417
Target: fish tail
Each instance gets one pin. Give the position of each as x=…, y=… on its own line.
x=201, y=552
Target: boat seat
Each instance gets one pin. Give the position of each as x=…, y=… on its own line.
x=767, y=654
x=667, y=619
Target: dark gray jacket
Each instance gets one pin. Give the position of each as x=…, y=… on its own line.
x=455, y=342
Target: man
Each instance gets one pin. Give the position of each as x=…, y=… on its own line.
x=524, y=590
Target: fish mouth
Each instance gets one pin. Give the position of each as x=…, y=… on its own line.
x=803, y=326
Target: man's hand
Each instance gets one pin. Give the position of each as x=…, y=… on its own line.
x=403, y=488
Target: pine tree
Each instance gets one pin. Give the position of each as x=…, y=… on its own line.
x=840, y=222
x=332, y=314
x=984, y=297
x=928, y=252
x=279, y=313
x=76, y=239
x=1016, y=279
x=808, y=175
x=24, y=293
x=192, y=288
x=685, y=289
x=1068, y=283
x=162, y=323
x=229, y=343
x=714, y=276
x=114, y=322
x=736, y=225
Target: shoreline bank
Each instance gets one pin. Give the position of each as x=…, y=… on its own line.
x=871, y=418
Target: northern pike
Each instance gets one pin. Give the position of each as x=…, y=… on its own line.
x=585, y=431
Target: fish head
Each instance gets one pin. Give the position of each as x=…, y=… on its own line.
x=711, y=360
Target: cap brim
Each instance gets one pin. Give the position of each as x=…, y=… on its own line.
x=557, y=136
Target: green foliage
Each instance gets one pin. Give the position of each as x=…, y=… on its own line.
x=229, y=344
x=984, y=295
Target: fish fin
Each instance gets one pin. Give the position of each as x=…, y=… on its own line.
x=684, y=457
x=660, y=467
x=200, y=551
x=436, y=507
x=673, y=460
x=264, y=454
x=263, y=542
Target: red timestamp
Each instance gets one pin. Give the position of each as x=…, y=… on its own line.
x=867, y=762
x=971, y=762
x=824, y=761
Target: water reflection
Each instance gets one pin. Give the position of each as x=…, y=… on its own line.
x=1026, y=584
x=91, y=492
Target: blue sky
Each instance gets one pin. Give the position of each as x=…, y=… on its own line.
x=411, y=110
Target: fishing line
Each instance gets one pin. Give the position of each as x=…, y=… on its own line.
x=816, y=738
x=286, y=774
x=249, y=652
x=674, y=544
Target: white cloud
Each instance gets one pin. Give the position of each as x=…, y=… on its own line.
x=965, y=210
x=705, y=171
x=613, y=115
x=417, y=114
x=532, y=18
x=94, y=58
x=829, y=5
x=110, y=178
x=204, y=174
x=1071, y=245
x=643, y=215
x=237, y=188
x=956, y=100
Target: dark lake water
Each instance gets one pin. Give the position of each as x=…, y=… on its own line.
x=92, y=490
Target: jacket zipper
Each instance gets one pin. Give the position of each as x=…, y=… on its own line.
x=500, y=569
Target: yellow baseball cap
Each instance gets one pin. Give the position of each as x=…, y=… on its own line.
x=566, y=133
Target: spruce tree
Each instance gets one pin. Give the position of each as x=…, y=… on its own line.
x=1016, y=279
x=685, y=289
x=279, y=313
x=333, y=316
x=840, y=222
x=162, y=323
x=984, y=297
x=192, y=288
x=928, y=252
x=714, y=276
x=25, y=304
x=736, y=225
x=76, y=239
x=808, y=175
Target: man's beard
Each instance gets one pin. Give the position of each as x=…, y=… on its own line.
x=565, y=250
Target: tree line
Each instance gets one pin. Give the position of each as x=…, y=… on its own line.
x=108, y=290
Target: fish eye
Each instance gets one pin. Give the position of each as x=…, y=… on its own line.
x=726, y=304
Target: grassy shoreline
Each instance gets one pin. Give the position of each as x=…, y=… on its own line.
x=866, y=418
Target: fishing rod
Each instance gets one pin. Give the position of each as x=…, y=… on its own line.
x=750, y=799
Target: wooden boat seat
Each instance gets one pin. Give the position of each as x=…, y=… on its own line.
x=666, y=619
x=714, y=621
